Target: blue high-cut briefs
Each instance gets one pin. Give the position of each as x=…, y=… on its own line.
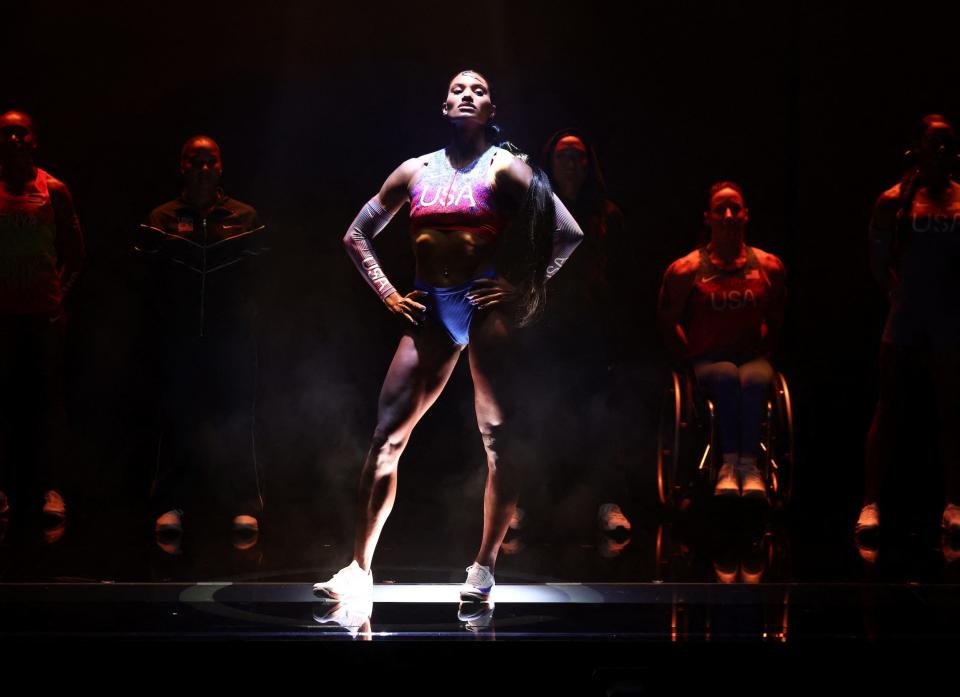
x=450, y=307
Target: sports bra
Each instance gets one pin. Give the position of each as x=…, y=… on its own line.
x=445, y=198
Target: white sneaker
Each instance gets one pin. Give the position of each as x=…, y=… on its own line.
x=246, y=532
x=479, y=583
x=53, y=504
x=727, y=484
x=752, y=485
x=350, y=582
x=170, y=523
x=951, y=519
x=869, y=519
x=610, y=518
x=246, y=524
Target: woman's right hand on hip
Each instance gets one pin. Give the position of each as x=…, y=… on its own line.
x=407, y=306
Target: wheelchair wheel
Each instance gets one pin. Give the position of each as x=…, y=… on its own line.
x=685, y=439
x=668, y=440
x=778, y=443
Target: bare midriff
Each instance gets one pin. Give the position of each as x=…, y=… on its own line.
x=448, y=258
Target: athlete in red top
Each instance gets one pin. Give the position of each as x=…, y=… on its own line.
x=41, y=252
x=721, y=308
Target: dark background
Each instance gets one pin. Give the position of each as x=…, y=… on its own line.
x=808, y=105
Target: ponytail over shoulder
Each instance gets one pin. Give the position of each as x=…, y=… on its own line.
x=525, y=253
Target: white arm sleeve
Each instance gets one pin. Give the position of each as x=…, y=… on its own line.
x=566, y=236
x=371, y=219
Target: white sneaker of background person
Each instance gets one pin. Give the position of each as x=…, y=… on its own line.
x=611, y=518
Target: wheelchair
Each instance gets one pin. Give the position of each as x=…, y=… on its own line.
x=688, y=451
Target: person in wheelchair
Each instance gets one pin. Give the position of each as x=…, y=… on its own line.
x=721, y=311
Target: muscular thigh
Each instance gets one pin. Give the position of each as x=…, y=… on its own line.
x=420, y=368
x=493, y=364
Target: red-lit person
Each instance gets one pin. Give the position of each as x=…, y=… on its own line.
x=587, y=304
x=41, y=253
x=721, y=310
x=200, y=249
x=462, y=200
x=914, y=257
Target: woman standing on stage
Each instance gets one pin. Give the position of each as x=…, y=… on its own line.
x=462, y=199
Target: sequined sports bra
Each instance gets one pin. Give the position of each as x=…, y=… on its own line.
x=444, y=198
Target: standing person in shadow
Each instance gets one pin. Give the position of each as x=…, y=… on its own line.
x=588, y=310
x=41, y=253
x=914, y=257
x=200, y=249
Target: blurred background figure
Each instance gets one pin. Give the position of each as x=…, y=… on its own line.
x=41, y=253
x=200, y=293
x=585, y=331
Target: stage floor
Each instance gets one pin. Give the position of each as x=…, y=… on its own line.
x=699, y=578
x=680, y=606
x=617, y=612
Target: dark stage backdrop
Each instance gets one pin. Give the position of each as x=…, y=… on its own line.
x=809, y=105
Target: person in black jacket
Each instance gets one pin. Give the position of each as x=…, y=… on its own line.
x=200, y=294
